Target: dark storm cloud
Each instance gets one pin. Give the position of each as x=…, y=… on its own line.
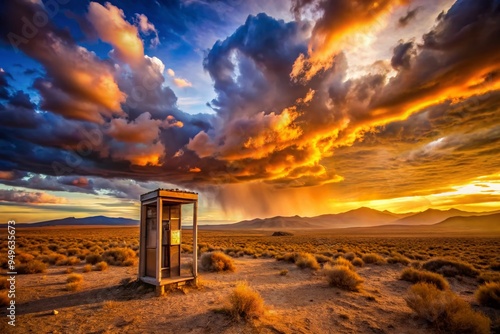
x=265, y=127
x=408, y=17
x=78, y=84
x=402, y=54
x=18, y=196
x=250, y=68
x=4, y=84
x=119, y=188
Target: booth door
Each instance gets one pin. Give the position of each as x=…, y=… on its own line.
x=171, y=247
x=151, y=239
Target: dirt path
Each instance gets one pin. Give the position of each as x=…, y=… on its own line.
x=300, y=302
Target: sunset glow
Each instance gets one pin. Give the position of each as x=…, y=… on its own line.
x=265, y=108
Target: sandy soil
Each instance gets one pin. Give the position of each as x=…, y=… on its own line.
x=300, y=302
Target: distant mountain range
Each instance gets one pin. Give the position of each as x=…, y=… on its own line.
x=87, y=221
x=362, y=217
x=366, y=217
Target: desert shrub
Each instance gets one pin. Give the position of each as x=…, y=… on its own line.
x=466, y=320
x=74, y=278
x=53, y=258
x=282, y=234
x=349, y=256
x=73, y=286
x=489, y=276
x=283, y=272
x=342, y=277
x=24, y=257
x=450, y=268
x=186, y=248
x=87, y=268
x=340, y=261
x=489, y=294
x=119, y=256
x=445, y=310
x=70, y=261
x=4, y=284
x=69, y=270
x=216, y=261
x=289, y=257
x=398, y=258
x=306, y=260
x=109, y=304
x=418, y=276
x=93, y=258
x=358, y=262
x=322, y=258
x=245, y=303
x=101, y=266
x=373, y=258
x=32, y=267
x=4, y=298
x=416, y=264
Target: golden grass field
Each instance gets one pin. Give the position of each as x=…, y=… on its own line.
x=336, y=281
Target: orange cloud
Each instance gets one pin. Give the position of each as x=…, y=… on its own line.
x=182, y=83
x=109, y=22
x=6, y=175
x=252, y=137
x=140, y=154
x=339, y=19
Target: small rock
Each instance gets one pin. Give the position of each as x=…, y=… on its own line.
x=54, y=312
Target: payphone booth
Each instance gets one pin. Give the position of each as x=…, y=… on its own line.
x=161, y=236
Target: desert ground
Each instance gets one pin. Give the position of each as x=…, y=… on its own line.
x=297, y=298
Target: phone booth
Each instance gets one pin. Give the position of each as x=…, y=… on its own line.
x=161, y=236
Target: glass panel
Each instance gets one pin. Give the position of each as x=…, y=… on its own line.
x=151, y=230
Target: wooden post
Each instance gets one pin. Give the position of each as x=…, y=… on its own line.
x=159, y=212
x=195, y=240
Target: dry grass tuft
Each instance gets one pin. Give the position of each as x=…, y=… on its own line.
x=284, y=272
x=349, y=256
x=398, y=258
x=93, y=258
x=216, y=261
x=489, y=276
x=245, y=303
x=109, y=304
x=306, y=260
x=340, y=261
x=4, y=284
x=445, y=310
x=450, y=268
x=120, y=257
x=87, y=268
x=418, y=276
x=73, y=286
x=343, y=277
x=32, y=267
x=74, y=278
x=4, y=298
x=489, y=295
x=101, y=266
x=358, y=262
x=373, y=258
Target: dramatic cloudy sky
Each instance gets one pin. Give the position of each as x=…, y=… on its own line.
x=264, y=107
